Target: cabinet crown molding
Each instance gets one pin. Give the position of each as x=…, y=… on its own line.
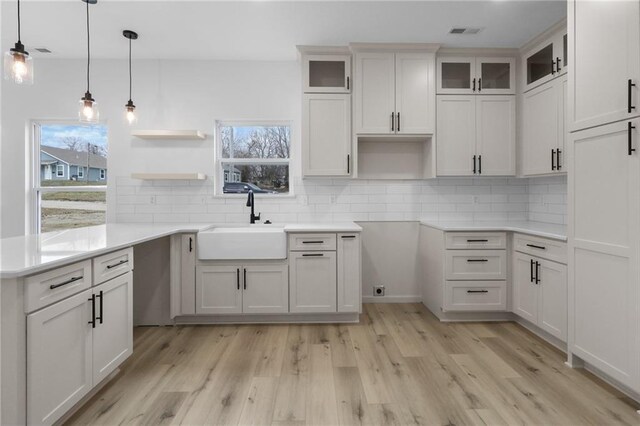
x=394, y=47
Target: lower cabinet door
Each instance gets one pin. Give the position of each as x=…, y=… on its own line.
x=525, y=290
x=218, y=289
x=59, y=358
x=113, y=335
x=552, y=312
x=265, y=289
x=349, y=273
x=312, y=281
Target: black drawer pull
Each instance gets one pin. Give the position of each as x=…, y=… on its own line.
x=477, y=260
x=477, y=291
x=101, y=307
x=553, y=159
x=93, y=311
x=630, y=107
x=122, y=262
x=532, y=264
x=69, y=281
x=537, y=272
x=348, y=236
x=630, y=147
x=312, y=255
x=477, y=241
x=535, y=246
x=558, y=165
x=313, y=242
x=238, y=278
x=245, y=278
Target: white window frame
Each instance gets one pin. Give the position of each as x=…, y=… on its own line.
x=36, y=189
x=60, y=170
x=219, y=161
x=80, y=172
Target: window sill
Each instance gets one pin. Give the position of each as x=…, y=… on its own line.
x=259, y=196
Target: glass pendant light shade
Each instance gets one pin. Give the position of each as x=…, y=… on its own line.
x=18, y=65
x=130, y=112
x=88, y=111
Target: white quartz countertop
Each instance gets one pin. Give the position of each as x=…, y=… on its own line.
x=546, y=230
x=29, y=254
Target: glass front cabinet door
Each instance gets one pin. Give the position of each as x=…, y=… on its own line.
x=488, y=76
x=546, y=61
x=327, y=73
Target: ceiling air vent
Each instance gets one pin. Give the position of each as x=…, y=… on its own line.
x=43, y=50
x=464, y=30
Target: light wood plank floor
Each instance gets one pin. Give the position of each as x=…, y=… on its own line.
x=398, y=366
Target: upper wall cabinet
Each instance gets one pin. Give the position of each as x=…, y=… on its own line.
x=605, y=48
x=474, y=75
x=394, y=92
x=326, y=73
x=546, y=61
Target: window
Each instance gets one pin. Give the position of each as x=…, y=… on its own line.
x=69, y=176
x=253, y=156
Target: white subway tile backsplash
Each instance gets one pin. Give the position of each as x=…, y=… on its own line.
x=324, y=200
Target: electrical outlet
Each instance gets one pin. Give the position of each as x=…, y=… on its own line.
x=378, y=290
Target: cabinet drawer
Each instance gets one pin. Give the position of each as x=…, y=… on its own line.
x=112, y=264
x=475, y=296
x=476, y=240
x=51, y=286
x=309, y=242
x=541, y=247
x=476, y=265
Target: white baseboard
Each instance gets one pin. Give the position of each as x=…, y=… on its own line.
x=391, y=299
x=338, y=317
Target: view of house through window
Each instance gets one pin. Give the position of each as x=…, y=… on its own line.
x=70, y=176
x=254, y=157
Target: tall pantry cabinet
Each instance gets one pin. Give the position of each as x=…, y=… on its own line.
x=604, y=188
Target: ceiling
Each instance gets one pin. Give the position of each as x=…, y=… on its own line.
x=267, y=30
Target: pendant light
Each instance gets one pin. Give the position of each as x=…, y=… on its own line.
x=88, y=108
x=130, y=108
x=18, y=65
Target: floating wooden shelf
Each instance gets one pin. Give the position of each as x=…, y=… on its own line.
x=169, y=176
x=170, y=134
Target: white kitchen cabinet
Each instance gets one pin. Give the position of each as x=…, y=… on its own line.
x=59, y=358
x=544, y=129
x=349, y=272
x=605, y=50
x=218, y=289
x=113, y=332
x=312, y=281
x=546, y=61
x=324, y=73
x=476, y=75
x=395, y=93
x=604, y=231
x=242, y=288
x=476, y=135
x=326, y=135
x=265, y=289
x=525, y=289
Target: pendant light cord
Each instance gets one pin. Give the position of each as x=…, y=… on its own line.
x=88, y=48
x=130, y=80
x=19, y=41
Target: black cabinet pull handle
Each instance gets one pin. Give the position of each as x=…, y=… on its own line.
x=630, y=84
x=313, y=242
x=474, y=85
x=553, y=159
x=393, y=121
x=93, y=311
x=558, y=65
x=69, y=281
x=238, y=278
x=531, y=280
x=477, y=291
x=101, y=307
x=477, y=241
x=479, y=85
x=190, y=244
x=535, y=246
x=477, y=260
x=630, y=128
x=348, y=236
x=122, y=262
x=398, y=124
x=245, y=278
x=348, y=163
x=537, y=272
x=479, y=164
x=347, y=83
x=312, y=255
x=553, y=67
x=558, y=165
x=474, y=164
